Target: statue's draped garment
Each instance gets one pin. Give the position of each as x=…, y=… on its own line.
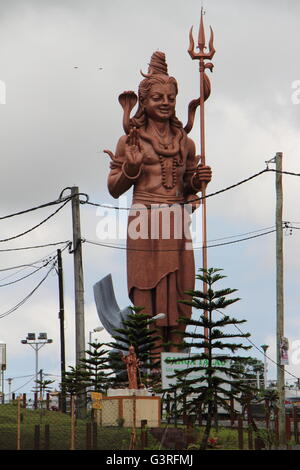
x=159, y=270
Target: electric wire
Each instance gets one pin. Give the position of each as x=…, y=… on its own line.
x=266, y=170
x=32, y=264
x=19, y=304
x=26, y=276
x=107, y=206
x=241, y=234
x=44, y=259
x=35, y=246
x=48, y=204
x=20, y=377
x=24, y=385
x=261, y=350
x=13, y=274
x=119, y=247
x=37, y=225
x=26, y=211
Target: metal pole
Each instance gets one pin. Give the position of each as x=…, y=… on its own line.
x=257, y=379
x=19, y=424
x=79, y=293
x=62, y=326
x=9, y=389
x=41, y=387
x=280, y=300
x=203, y=162
x=78, y=277
x=265, y=372
x=36, y=348
x=2, y=374
x=202, y=56
x=265, y=348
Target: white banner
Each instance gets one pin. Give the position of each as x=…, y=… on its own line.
x=187, y=360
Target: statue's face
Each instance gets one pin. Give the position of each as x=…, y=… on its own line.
x=161, y=101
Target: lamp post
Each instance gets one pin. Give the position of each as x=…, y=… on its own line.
x=36, y=345
x=264, y=348
x=95, y=330
x=159, y=316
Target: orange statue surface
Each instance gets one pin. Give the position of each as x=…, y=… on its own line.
x=158, y=160
x=133, y=366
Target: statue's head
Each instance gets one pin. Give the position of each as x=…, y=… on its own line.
x=156, y=82
x=131, y=349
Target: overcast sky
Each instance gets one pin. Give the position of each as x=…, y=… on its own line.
x=57, y=120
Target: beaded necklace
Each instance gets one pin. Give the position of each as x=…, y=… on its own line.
x=168, y=164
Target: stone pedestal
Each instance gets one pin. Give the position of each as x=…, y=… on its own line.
x=129, y=408
x=127, y=392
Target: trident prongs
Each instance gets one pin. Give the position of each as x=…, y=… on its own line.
x=201, y=43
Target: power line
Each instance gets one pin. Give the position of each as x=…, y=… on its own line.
x=119, y=247
x=19, y=304
x=32, y=264
x=37, y=225
x=19, y=388
x=259, y=349
x=109, y=206
x=35, y=246
x=241, y=234
x=26, y=276
x=47, y=204
x=20, y=377
x=25, y=211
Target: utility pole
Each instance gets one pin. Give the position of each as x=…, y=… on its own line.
x=280, y=300
x=265, y=348
x=62, y=326
x=9, y=380
x=79, y=291
x=41, y=387
x=78, y=276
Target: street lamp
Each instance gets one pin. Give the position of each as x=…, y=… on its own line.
x=264, y=348
x=159, y=316
x=95, y=330
x=36, y=345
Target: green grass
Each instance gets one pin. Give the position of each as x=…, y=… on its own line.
x=108, y=438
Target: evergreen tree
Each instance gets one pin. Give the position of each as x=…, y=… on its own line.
x=43, y=386
x=218, y=381
x=136, y=331
x=253, y=367
x=97, y=367
x=75, y=381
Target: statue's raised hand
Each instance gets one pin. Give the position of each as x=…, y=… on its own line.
x=133, y=152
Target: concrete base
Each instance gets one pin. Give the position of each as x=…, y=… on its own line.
x=128, y=392
x=130, y=409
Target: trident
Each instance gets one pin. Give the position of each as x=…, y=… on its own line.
x=204, y=94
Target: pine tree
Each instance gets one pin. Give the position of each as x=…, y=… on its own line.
x=218, y=381
x=136, y=331
x=75, y=381
x=97, y=367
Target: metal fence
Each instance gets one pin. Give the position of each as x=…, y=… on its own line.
x=27, y=424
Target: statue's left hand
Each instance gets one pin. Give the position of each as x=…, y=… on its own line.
x=203, y=174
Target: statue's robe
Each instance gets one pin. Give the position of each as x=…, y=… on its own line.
x=159, y=270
